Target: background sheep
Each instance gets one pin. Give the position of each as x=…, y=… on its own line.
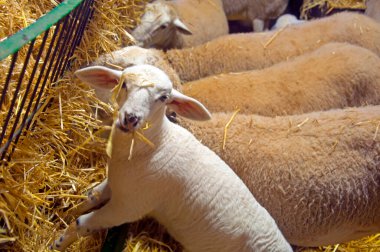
x=317, y=174
x=180, y=23
x=260, y=12
x=242, y=52
x=373, y=9
x=336, y=75
x=180, y=182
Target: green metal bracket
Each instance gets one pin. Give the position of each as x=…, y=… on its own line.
x=13, y=43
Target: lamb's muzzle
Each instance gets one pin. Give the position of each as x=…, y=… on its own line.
x=127, y=122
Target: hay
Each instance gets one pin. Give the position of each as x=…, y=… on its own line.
x=327, y=6
x=226, y=128
x=367, y=244
x=64, y=155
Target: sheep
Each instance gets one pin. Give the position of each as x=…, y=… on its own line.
x=180, y=23
x=336, y=75
x=286, y=20
x=179, y=181
x=317, y=174
x=373, y=9
x=259, y=12
x=242, y=52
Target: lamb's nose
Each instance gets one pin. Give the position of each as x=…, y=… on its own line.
x=132, y=119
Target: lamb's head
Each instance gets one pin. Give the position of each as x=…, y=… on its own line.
x=159, y=26
x=142, y=94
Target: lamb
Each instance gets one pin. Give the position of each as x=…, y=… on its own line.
x=179, y=181
x=286, y=20
x=242, y=52
x=336, y=75
x=317, y=174
x=260, y=12
x=373, y=9
x=180, y=23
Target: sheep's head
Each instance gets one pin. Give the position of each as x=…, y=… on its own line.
x=142, y=94
x=135, y=55
x=159, y=26
x=131, y=56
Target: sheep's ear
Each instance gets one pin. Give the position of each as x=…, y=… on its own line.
x=99, y=77
x=181, y=27
x=188, y=107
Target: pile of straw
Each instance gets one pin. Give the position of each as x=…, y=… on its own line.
x=63, y=156
x=327, y=6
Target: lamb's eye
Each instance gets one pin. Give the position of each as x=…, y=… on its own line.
x=124, y=85
x=163, y=98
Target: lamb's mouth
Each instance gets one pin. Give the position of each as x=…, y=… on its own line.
x=127, y=129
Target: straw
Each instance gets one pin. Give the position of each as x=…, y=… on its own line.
x=64, y=155
x=226, y=128
x=328, y=5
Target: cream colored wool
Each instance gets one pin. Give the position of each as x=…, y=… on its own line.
x=317, y=174
x=242, y=52
x=336, y=75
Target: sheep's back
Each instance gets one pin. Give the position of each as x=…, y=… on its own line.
x=242, y=52
x=337, y=75
x=317, y=174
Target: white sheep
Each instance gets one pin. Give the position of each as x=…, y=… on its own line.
x=317, y=174
x=336, y=75
x=373, y=9
x=180, y=23
x=179, y=181
x=242, y=52
x=286, y=20
x=259, y=12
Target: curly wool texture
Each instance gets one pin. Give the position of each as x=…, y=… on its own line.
x=317, y=174
x=242, y=52
x=336, y=75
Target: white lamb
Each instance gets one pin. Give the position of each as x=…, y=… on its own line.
x=260, y=12
x=180, y=23
x=180, y=182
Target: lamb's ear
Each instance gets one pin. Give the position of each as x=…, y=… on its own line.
x=188, y=107
x=99, y=77
x=181, y=27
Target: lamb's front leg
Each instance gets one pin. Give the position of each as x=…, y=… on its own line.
x=108, y=216
x=96, y=197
